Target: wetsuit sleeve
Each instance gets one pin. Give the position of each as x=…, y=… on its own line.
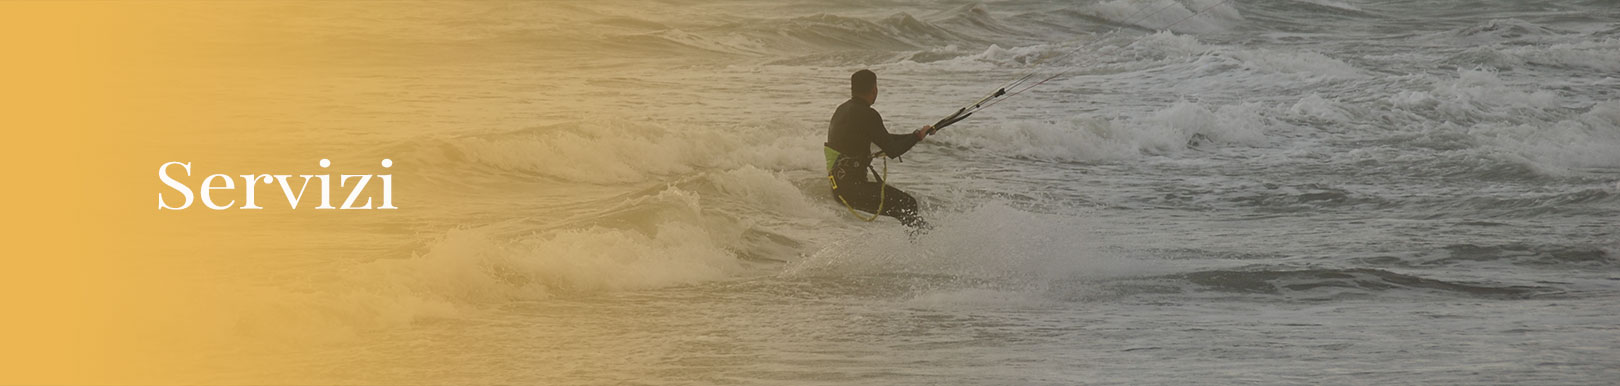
x=893, y=145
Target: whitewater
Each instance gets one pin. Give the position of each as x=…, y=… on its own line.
x=1266, y=191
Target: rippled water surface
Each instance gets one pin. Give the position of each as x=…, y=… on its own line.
x=1245, y=191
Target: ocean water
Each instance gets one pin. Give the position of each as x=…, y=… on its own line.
x=1214, y=192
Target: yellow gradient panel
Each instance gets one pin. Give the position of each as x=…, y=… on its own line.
x=102, y=286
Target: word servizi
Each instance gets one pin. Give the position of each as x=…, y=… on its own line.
x=218, y=182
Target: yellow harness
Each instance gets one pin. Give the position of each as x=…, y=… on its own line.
x=883, y=190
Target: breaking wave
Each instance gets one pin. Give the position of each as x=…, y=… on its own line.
x=616, y=151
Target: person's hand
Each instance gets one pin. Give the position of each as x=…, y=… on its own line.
x=924, y=131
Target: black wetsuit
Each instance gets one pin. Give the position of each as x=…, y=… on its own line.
x=853, y=127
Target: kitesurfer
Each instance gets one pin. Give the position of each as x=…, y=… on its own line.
x=854, y=128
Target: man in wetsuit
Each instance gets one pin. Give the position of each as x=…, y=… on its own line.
x=856, y=126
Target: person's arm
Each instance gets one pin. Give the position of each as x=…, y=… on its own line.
x=893, y=145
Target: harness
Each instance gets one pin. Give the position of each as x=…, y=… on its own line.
x=833, y=156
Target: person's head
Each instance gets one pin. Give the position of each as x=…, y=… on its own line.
x=863, y=85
